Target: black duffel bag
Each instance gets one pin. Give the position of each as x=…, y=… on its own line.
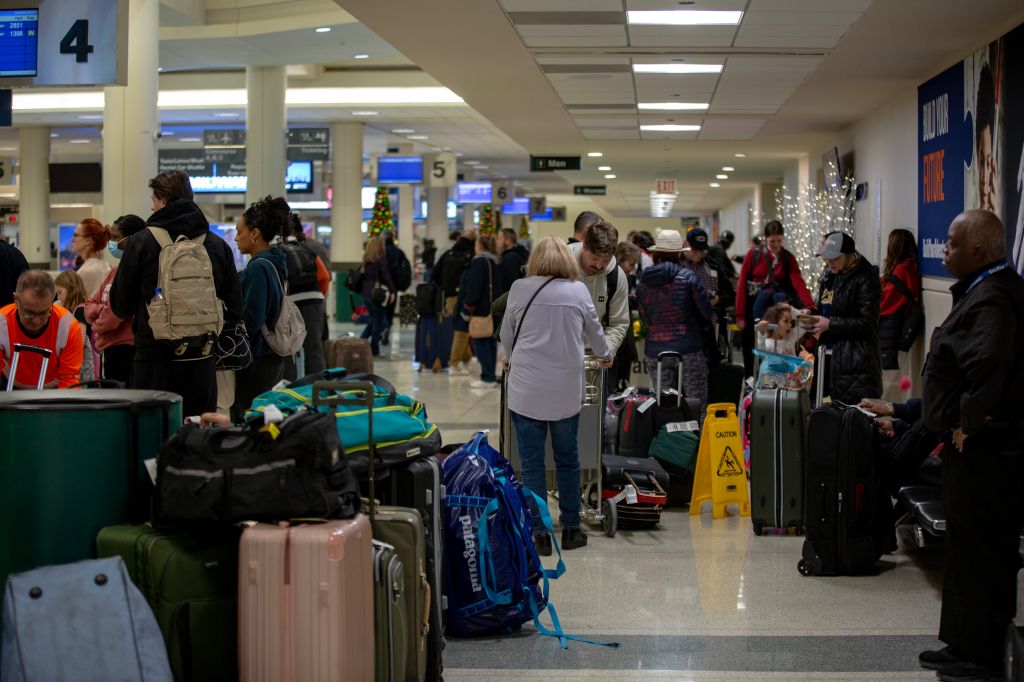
x=295, y=469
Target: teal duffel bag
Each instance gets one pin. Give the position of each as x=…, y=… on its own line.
x=400, y=428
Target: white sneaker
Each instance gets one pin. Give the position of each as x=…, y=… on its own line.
x=458, y=369
x=480, y=383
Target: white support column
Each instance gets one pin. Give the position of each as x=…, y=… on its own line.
x=437, y=215
x=404, y=224
x=131, y=121
x=34, y=188
x=265, y=131
x=347, y=184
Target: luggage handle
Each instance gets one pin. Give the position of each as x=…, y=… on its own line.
x=20, y=348
x=678, y=357
x=365, y=396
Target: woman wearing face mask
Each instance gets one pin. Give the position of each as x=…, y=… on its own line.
x=770, y=275
x=112, y=336
x=848, y=299
x=263, y=290
x=89, y=241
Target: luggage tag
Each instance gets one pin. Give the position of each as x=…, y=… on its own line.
x=673, y=427
x=630, y=494
x=646, y=405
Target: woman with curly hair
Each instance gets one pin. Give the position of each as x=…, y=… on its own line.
x=89, y=241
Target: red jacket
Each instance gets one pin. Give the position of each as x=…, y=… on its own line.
x=893, y=301
x=63, y=335
x=786, y=271
x=107, y=328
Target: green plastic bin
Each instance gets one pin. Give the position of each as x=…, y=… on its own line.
x=71, y=463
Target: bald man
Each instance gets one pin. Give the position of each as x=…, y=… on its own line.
x=972, y=383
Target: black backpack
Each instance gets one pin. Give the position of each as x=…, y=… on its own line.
x=401, y=269
x=455, y=263
x=301, y=264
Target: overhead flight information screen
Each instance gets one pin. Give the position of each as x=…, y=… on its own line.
x=19, y=35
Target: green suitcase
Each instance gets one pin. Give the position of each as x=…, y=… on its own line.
x=72, y=464
x=191, y=582
x=402, y=528
x=390, y=614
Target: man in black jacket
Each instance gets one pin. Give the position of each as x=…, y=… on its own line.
x=157, y=367
x=513, y=258
x=972, y=381
x=447, y=274
x=12, y=264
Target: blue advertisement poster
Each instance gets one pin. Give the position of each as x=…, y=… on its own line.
x=971, y=147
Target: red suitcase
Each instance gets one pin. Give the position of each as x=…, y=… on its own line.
x=305, y=601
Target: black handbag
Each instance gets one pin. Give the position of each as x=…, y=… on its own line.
x=354, y=280
x=233, y=351
x=913, y=319
x=294, y=469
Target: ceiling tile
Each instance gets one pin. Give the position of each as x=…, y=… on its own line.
x=560, y=5
x=603, y=134
x=809, y=5
x=800, y=18
x=718, y=128
x=681, y=36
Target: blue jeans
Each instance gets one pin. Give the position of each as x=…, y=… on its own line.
x=766, y=298
x=486, y=351
x=378, y=323
x=531, y=434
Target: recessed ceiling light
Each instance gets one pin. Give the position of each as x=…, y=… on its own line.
x=673, y=106
x=447, y=149
x=740, y=155
x=225, y=114
x=604, y=168
x=722, y=176
x=471, y=163
x=91, y=117
x=52, y=135
x=677, y=68
x=364, y=113
x=189, y=139
x=482, y=167
x=79, y=141
x=360, y=56
x=670, y=128
x=610, y=176
x=728, y=169
x=594, y=154
x=716, y=184
x=460, y=154
x=402, y=131
x=419, y=137
x=436, y=149
x=684, y=17
x=324, y=29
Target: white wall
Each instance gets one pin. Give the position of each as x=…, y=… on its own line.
x=736, y=218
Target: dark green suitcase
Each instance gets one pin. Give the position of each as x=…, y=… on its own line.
x=72, y=464
x=191, y=582
x=390, y=614
x=778, y=436
x=403, y=529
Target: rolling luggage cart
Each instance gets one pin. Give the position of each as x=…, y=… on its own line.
x=590, y=440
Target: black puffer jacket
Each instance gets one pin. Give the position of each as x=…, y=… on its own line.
x=856, y=369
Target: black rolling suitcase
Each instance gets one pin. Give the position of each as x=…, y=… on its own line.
x=419, y=485
x=643, y=416
x=846, y=521
x=778, y=427
x=649, y=481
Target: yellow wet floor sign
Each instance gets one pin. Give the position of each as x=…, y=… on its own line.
x=720, y=477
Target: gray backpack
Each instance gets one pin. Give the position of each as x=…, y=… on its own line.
x=189, y=309
x=289, y=331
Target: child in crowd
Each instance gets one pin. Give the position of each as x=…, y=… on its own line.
x=781, y=334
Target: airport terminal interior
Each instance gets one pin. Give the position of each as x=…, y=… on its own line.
x=850, y=115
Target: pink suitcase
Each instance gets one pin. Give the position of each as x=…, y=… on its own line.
x=305, y=602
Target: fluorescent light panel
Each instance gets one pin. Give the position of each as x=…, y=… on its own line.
x=728, y=169
x=594, y=154
x=673, y=106
x=677, y=68
x=670, y=128
x=604, y=168
x=721, y=176
x=684, y=17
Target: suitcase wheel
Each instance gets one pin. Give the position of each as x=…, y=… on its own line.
x=1012, y=653
x=804, y=569
x=759, y=529
x=611, y=518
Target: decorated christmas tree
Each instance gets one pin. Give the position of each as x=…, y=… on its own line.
x=487, y=226
x=524, y=228
x=383, y=219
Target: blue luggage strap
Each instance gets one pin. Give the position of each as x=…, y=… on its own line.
x=526, y=551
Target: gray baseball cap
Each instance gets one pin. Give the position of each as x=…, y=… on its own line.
x=835, y=245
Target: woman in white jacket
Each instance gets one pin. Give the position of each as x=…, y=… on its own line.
x=547, y=316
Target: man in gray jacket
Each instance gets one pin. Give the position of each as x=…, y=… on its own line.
x=596, y=258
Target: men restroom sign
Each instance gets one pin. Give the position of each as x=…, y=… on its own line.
x=554, y=163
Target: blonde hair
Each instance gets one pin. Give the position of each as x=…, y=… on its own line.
x=374, y=250
x=551, y=258
x=72, y=283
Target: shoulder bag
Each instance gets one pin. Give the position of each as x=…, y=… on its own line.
x=290, y=330
x=913, y=320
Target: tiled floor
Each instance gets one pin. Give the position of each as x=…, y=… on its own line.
x=693, y=599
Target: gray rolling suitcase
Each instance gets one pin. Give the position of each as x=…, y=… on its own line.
x=778, y=428
x=391, y=613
